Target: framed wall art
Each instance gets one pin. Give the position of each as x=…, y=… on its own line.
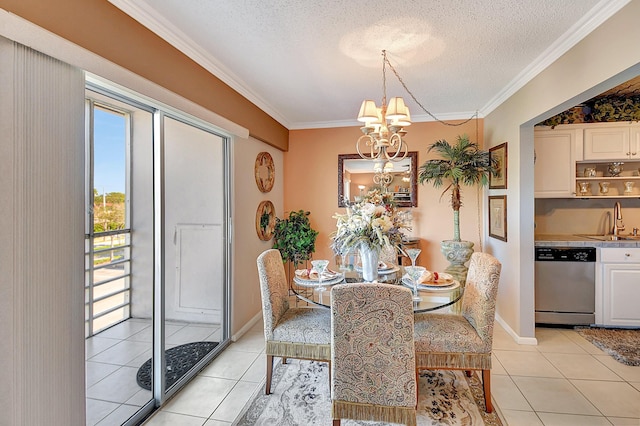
x=499, y=180
x=265, y=171
x=498, y=217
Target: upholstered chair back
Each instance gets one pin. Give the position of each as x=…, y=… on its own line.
x=479, y=299
x=372, y=353
x=274, y=289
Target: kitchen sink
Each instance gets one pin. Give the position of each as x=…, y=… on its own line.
x=610, y=237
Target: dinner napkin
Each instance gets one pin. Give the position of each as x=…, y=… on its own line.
x=426, y=277
x=310, y=274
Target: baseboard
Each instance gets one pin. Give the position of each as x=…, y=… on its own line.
x=518, y=339
x=253, y=321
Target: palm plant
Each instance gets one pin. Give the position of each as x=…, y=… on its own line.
x=461, y=164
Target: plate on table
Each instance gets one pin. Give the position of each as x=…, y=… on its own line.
x=383, y=268
x=434, y=280
x=305, y=277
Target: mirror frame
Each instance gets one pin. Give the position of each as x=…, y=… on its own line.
x=413, y=201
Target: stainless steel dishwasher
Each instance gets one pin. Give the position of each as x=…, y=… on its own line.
x=565, y=280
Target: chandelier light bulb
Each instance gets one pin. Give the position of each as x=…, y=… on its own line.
x=384, y=126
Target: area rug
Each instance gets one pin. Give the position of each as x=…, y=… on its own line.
x=622, y=344
x=300, y=396
x=179, y=360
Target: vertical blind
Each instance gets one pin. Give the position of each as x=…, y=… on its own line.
x=41, y=245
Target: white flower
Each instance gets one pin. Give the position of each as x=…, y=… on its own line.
x=373, y=222
x=383, y=223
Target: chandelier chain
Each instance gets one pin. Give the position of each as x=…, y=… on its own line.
x=384, y=78
x=386, y=60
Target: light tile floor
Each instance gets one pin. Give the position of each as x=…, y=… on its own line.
x=564, y=380
x=112, y=359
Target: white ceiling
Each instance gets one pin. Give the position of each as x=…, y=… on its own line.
x=310, y=63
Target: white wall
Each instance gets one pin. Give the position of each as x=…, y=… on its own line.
x=194, y=221
x=600, y=61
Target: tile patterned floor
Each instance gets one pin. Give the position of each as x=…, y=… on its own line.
x=112, y=359
x=565, y=380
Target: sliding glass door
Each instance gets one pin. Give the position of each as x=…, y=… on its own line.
x=194, y=244
x=157, y=253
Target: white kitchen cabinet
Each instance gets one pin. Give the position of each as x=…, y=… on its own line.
x=618, y=287
x=618, y=141
x=556, y=153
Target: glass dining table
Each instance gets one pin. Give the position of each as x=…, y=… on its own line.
x=432, y=297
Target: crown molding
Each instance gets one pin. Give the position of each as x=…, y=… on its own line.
x=148, y=17
x=602, y=11
x=424, y=118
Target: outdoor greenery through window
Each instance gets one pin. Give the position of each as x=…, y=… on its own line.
x=108, y=242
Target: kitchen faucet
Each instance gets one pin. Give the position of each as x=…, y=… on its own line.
x=617, y=216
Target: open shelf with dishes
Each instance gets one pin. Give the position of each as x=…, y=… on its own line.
x=608, y=179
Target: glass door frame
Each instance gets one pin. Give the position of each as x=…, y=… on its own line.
x=160, y=392
x=160, y=111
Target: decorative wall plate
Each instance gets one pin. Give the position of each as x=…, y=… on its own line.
x=265, y=220
x=265, y=171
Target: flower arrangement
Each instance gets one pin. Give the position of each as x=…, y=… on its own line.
x=373, y=221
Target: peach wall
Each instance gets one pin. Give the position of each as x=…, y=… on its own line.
x=311, y=183
x=247, y=246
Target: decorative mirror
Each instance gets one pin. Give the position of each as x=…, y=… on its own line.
x=264, y=171
x=357, y=176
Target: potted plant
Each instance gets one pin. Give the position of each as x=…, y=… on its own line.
x=295, y=238
x=462, y=163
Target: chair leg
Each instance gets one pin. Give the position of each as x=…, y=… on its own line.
x=284, y=359
x=336, y=422
x=267, y=386
x=486, y=383
x=468, y=372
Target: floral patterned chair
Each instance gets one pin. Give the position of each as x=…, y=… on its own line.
x=463, y=342
x=372, y=354
x=303, y=333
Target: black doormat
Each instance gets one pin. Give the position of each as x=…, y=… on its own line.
x=622, y=344
x=179, y=360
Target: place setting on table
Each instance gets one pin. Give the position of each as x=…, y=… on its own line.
x=431, y=290
x=366, y=243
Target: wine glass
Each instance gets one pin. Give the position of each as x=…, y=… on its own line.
x=413, y=254
x=344, y=255
x=414, y=273
x=320, y=266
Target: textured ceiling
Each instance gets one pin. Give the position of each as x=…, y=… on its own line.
x=310, y=63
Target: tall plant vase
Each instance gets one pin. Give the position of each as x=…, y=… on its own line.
x=369, y=258
x=457, y=253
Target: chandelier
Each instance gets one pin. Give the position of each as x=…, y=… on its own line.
x=384, y=127
x=383, y=176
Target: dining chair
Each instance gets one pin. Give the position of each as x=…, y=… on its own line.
x=289, y=332
x=463, y=341
x=373, y=375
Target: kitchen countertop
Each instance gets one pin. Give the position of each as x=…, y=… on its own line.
x=573, y=240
